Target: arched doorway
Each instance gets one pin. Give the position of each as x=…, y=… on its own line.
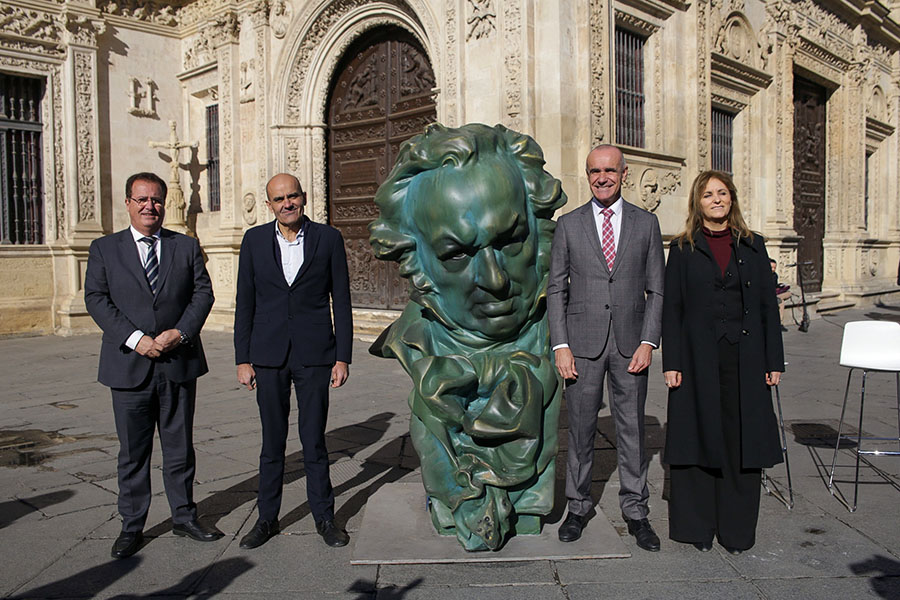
x=380, y=97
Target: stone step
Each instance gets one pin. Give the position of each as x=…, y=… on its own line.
x=368, y=323
x=831, y=306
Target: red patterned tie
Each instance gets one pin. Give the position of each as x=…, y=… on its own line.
x=608, y=239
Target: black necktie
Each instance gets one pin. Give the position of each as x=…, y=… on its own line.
x=151, y=268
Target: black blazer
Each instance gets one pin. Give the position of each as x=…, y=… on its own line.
x=119, y=300
x=271, y=316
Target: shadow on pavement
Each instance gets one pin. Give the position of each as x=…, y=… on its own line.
x=90, y=582
x=13, y=510
x=383, y=465
x=367, y=590
x=885, y=580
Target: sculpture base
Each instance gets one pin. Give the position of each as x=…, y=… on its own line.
x=396, y=529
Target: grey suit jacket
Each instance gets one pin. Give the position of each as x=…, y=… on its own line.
x=584, y=297
x=119, y=299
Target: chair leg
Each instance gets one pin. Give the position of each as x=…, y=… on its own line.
x=837, y=443
x=862, y=401
x=784, y=451
x=898, y=410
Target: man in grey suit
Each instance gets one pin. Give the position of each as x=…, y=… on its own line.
x=604, y=299
x=148, y=290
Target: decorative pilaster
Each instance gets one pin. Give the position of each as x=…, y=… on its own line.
x=600, y=56
x=223, y=31
x=82, y=126
x=260, y=16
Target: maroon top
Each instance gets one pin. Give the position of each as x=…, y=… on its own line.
x=720, y=244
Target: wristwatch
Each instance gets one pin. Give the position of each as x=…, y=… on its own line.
x=184, y=337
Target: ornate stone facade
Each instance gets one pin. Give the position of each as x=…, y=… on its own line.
x=546, y=69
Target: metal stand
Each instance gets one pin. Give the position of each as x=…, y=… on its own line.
x=771, y=489
x=860, y=453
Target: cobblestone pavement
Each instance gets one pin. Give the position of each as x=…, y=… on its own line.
x=58, y=494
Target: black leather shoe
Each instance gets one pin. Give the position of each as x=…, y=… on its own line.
x=570, y=530
x=332, y=534
x=196, y=531
x=260, y=534
x=643, y=534
x=734, y=551
x=703, y=546
x=127, y=544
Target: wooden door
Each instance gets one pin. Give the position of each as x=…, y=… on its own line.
x=809, y=179
x=381, y=96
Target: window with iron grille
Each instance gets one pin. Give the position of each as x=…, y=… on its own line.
x=22, y=205
x=722, y=140
x=629, y=88
x=212, y=152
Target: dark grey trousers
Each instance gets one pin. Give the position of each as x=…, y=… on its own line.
x=157, y=403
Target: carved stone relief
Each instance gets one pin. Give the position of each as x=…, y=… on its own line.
x=451, y=26
x=513, y=83
x=481, y=20
x=736, y=40
x=313, y=38
x=84, y=133
x=280, y=18
x=877, y=107
x=653, y=186
x=249, y=205
x=29, y=29
x=247, y=88
x=199, y=52
x=599, y=53
x=702, y=86
x=159, y=13
x=142, y=97
x=83, y=30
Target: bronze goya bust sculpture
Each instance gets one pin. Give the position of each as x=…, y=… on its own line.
x=466, y=213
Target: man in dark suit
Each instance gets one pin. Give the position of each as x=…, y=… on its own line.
x=148, y=290
x=604, y=301
x=289, y=269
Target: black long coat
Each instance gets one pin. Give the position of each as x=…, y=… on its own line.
x=694, y=434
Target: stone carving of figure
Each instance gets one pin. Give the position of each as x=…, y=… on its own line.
x=467, y=214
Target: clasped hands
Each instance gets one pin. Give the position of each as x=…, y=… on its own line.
x=155, y=347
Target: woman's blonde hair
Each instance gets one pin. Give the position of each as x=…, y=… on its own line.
x=694, y=221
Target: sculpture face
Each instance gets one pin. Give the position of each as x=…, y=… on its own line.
x=477, y=245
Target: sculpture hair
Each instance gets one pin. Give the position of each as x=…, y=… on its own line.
x=391, y=234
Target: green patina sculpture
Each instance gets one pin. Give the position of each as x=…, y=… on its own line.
x=467, y=213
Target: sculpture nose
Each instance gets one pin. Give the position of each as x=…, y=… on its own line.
x=489, y=273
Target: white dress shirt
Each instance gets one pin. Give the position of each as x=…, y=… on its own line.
x=291, y=253
x=143, y=250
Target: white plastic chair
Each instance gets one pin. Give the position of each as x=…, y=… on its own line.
x=868, y=346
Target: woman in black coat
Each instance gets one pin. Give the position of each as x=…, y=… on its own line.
x=722, y=351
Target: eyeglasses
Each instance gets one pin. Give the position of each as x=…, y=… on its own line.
x=143, y=201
